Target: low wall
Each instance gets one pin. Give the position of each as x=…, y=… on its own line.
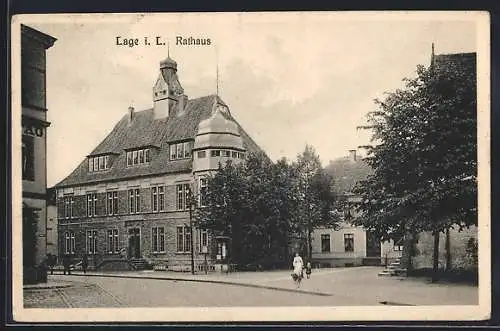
x=459, y=241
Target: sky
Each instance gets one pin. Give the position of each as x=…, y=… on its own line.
x=289, y=79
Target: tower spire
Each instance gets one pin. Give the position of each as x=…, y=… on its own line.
x=168, y=48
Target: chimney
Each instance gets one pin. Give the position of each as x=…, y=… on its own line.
x=130, y=114
x=352, y=155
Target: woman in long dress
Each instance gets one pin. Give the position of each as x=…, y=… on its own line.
x=298, y=266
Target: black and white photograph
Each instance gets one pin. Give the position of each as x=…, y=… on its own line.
x=272, y=166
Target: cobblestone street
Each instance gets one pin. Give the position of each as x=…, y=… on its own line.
x=327, y=287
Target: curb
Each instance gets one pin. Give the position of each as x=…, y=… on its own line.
x=224, y=282
x=45, y=287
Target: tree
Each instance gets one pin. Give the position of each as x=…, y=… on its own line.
x=424, y=159
x=315, y=195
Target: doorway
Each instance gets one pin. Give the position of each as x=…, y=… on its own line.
x=373, y=248
x=134, y=243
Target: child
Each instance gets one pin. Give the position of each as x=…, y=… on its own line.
x=308, y=270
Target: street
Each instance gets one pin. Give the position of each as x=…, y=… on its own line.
x=327, y=287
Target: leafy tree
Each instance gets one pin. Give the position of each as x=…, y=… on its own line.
x=424, y=159
x=316, y=195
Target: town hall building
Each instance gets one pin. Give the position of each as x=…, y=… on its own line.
x=127, y=203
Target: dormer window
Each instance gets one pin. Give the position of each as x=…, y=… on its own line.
x=180, y=151
x=99, y=163
x=138, y=157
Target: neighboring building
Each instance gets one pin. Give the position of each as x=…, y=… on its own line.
x=34, y=45
x=51, y=242
x=127, y=202
x=350, y=245
x=462, y=245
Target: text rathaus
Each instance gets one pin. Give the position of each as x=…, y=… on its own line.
x=126, y=204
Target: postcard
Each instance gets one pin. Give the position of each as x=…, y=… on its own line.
x=238, y=167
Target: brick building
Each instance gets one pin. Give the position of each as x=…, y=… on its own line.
x=34, y=45
x=127, y=202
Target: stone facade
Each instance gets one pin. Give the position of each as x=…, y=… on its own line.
x=34, y=45
x=459, y=240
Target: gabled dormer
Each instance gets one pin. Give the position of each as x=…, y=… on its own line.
x=101, y=162
x=140, y=156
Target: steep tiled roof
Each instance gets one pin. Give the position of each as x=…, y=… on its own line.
x=346, y=173
x=144, y=130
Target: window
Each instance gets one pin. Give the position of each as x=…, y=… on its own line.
x=91, y=241
x=134, y=201
x=226, y=153
x=349, y=242
x=140, y=156
x=173, y=152
x=214, y=153
x=182, y=196
x=234, y=155
x=158, y=242
x=112, y=241
x=183, y=239
x=112, y=204
x=203, y=238
x=398, y=243
x=68, y=206
x=91, y=203
x=203, y=192
x=158, y=198
x=28, y=155
x=202, y=154
x=325, y=243
x=69, y=242
x=161, y=198
x=129, y=159
x=154, y=198
x=135, y=157
x=99, y=163
x=180, y=151
x=187, y=150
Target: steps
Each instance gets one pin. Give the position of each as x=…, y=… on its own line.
x=393, y=269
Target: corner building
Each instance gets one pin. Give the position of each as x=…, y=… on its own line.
x=126, y=204
x=34, y=48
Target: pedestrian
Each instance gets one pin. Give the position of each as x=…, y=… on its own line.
x=298, y=265
x=308, y=269
x=67, y=264
x=85, y=263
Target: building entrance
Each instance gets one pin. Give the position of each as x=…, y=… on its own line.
x=134, y=243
